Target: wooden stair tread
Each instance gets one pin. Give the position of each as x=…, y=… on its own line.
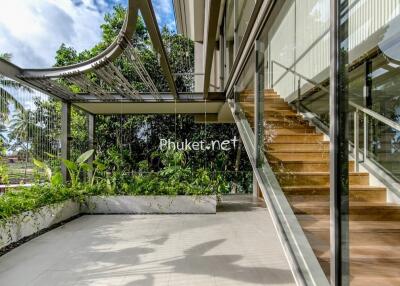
x=351, y=187
x=298, y=161
x=362, y=252
x=317, y=174
x=322, y=222
x=357, y=205
x=299, y=151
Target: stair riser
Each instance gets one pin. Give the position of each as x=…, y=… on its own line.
x=323, y=196
x=303, y=147
x=282, y=123
x=298, y=139
x=300, y=167
x=268, y=100
x=321, y=238
x=310, y=156
x=304, y=167
x=275, y=117
x=365, y=275
x=273, y=131
x=309, y=180
x=359, y=214
x=271, y=111
x=274, y=105
x=289, y=124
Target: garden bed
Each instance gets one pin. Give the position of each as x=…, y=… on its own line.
x=28, y=223
x=150, y=204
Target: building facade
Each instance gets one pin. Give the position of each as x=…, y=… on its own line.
x=313, y=87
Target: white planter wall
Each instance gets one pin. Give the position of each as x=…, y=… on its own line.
x=150, y=205
x=29, y=223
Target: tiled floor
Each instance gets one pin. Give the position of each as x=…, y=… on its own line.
x=237, y=246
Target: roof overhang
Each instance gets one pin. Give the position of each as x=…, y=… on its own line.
x=45, y=80
x=189, y=16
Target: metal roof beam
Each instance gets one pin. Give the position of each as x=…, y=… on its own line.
x=147, y=11
x=212, y=27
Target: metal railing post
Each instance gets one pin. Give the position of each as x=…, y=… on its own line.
x=365, y=139
x=298, y=94
x=356, y=140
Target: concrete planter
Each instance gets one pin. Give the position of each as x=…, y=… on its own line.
x=150, y=205
x=29, y=223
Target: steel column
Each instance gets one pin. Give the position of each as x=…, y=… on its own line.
x=259, y=102
x=255, y=186
x=91, y=136
x=339, y=164
x=209, y=41
x=65, y=137
x=367, y=95
x=356, y=140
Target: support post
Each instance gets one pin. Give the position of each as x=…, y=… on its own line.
x=356, y=140
x=339, y=164
x=367, y=103
x=298, y=95
x=255, y=186
x=259, y=103
x=91, y=135
x=65, y=137
x=221, y=60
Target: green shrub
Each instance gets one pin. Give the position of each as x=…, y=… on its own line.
x=174, y=179
x=17, y=201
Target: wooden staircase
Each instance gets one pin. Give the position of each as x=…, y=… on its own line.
x=299, y=156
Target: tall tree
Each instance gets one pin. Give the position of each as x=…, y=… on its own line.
x=22, y=128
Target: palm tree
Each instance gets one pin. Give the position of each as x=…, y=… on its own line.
x=3, y=130
x=6, y=98
x=20, y=125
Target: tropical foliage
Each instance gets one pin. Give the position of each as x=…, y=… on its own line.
x=174, y=178
x=125, y=143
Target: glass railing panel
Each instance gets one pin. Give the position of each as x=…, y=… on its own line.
x=384, y=146
x=243, y=14
x=245, y=90
x=295, y=50
x=229, y=39
x=371, y=45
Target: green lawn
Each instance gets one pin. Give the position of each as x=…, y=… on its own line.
x=16, y=172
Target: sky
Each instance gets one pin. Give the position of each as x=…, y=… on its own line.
x=33, y=30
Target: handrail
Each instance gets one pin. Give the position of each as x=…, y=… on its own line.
x=301, y=76
x=376, y=115
x=368, y=111
x=305, y=266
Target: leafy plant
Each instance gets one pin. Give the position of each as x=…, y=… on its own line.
x=55, y=179
x=21, y=200
x=75, y=167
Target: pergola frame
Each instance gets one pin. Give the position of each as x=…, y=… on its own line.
x=118, y=89
x=45, y=80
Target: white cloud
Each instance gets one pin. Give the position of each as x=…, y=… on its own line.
x=165, y=13
x=33, y=30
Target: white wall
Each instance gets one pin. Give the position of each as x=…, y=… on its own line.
x=299, y=38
